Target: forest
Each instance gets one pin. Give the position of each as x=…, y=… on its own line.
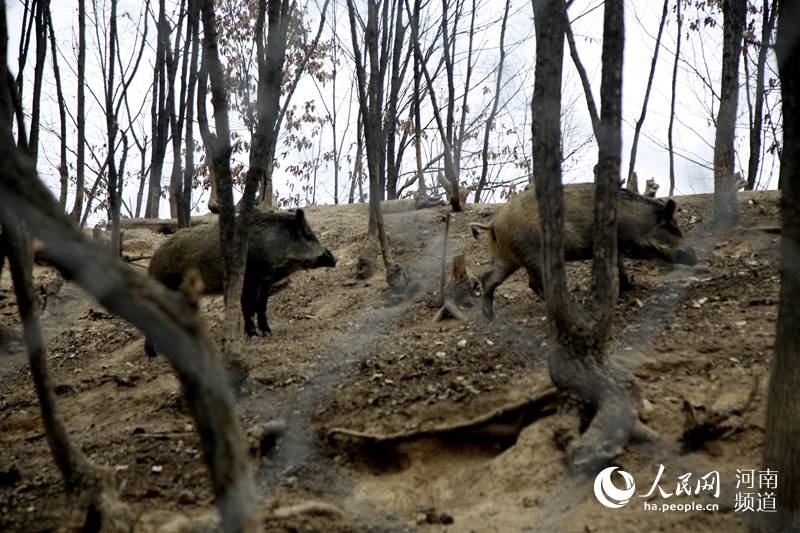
x=388, y=265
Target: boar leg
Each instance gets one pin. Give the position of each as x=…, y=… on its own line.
x=149, y=347
x=625, y=283
x=249, y=295
x=261, y=308
x=489, y=282
x=535, y=279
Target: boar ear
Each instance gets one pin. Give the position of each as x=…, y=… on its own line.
x=669, y=211
x=300, y=216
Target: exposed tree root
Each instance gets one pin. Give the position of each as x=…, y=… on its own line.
x=367, y=262
x=520, y=413
x=616, y=419
x=306, y=508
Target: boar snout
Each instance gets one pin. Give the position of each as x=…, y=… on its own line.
x=685, y=257
x=326, y=259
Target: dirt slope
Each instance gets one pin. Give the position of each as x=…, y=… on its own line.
x=345, y=357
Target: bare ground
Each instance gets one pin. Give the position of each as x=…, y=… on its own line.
x=347, y=358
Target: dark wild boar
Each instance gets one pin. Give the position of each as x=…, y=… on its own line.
x=280, y=244
x=646, y=229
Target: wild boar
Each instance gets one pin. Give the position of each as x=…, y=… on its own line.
x=646, y=230
x=280, y=244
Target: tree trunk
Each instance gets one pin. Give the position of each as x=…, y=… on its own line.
x=450, y=182
x=218, y=148
x=80, y=150
x=177, y=117
x=577, y=362
x=632, y=185
x=767, y=23
x=63, y=169
x=42, y=8
x=725, y=204
x=495, y=102
x=782, y=433
x=391, y=120
x=159, y=117
x=111, y=132
x=672, y=100
x=193, y=33
x=370, y=97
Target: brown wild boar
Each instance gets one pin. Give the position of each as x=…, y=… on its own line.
x=646, y=230
x=280, y=244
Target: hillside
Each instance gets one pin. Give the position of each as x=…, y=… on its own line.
x=346, y=358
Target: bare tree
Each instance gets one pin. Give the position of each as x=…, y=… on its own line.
x=193, y=36
x=450, y=179
x=159, y=116
x=632, y=184
x=63, y=169
x=495, y=102
x=400, y=58
x=370, y=85
x=768, y=14
x=782, y=433
x=725, y=204
x=80, y=119
x=578, y=361
x=42, y=10
x=670, y=145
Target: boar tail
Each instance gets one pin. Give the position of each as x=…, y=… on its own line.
x=476, y=227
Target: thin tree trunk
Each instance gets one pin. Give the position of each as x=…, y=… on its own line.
x=370, y=97
x=81, y=117
x=679, y=19
x=587, y=87
x=493, y=113
x=725, y=204
x=42, y=8
x=632, y=184
x=459, y=142
x=450, y=182
x=767, y=23
x=358, y=165
x=276, y=112
x=193, y=33
x=159, y=116
x=782, y=432
x=111, y=131
x=142, y=175
x=29, y=11
x=63, y=169
x=394, y=91
x=422, y=191
x=177, y=117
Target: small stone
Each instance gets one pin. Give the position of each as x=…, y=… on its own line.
x=462, y=343
x=157, y=469
x=441, y=355
x=490, y=342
